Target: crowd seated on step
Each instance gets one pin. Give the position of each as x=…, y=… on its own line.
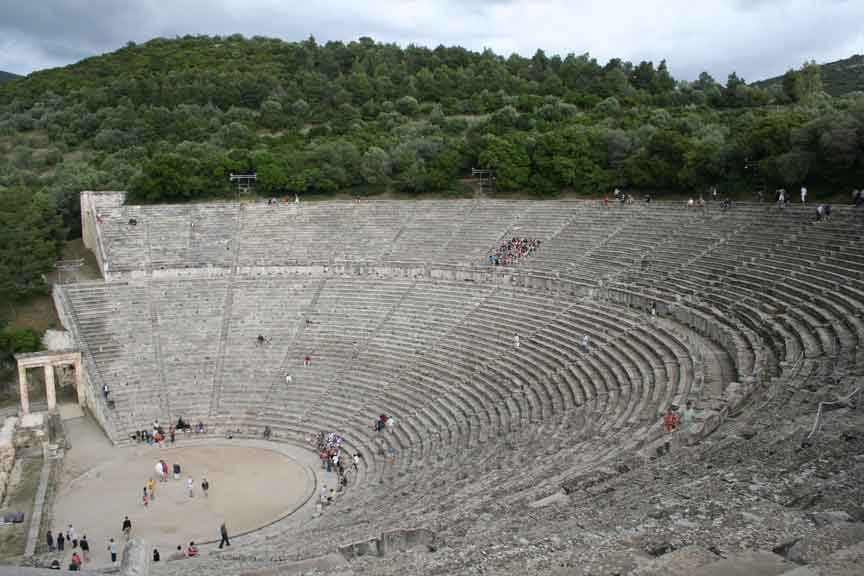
x=158, y=434
x=513, y=250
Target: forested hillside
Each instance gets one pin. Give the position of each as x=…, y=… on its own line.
x=838, y=78
x=170, y=119
x=7, y=76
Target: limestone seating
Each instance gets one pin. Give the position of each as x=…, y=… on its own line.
x=440, y=354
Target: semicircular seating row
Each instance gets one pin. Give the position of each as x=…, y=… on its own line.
x=720, y=261
x=440, y=354
x=769, y=286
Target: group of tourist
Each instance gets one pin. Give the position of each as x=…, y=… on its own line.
x=329, y=446
x=80, y=548
x=157, y=433
x=673, y=420
x=513, y=250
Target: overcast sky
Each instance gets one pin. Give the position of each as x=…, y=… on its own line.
x=756, y=38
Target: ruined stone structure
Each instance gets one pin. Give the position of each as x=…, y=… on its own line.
x=47, y=361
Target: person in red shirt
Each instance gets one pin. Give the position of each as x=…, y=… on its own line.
x=670, y=419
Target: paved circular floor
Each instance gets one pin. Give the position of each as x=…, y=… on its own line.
x=250, y=487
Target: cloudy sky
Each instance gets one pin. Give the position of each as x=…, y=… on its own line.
x=756, y=38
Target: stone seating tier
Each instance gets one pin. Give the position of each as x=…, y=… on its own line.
x=770, y=290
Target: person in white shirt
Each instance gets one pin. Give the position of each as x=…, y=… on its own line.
x=803, y=195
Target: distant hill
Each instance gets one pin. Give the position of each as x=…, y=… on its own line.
x=838, y=78
x=7, y=76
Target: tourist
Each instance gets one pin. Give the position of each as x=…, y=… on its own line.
x=171, y=433
x=307, y=360
x=261, y=340
x=76, y=560
x=190, y=485
x=355, y=460
x=391, y=424
x=289, y=379
x=151, y=487
x=516, y=341
x=205, y=486
x=105, y=391
x=322, y=493
x=803, y=195
x=670, y=419
x=192, y=550
x=49, y=540
x=112, y=549
x=146, y=498
x=584, y=343
x=71, y=537
x=177, y=554
x=161, y=470
x=691, y=203
x=85, y=548
x=267, y=432
x=127, y=527
x=61, y=542
x=687, y=415
x=381, y=422
x=223, y=532
x=199, y=428
x=156, y=556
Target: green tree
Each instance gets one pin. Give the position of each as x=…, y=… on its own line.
x=30, y=233
x=376, y=167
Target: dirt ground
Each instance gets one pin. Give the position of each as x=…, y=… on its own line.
x=249, y=488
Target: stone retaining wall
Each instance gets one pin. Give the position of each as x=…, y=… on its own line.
x=7, y=453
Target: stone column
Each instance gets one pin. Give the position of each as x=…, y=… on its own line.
x=50, y=390
x=22, y=389
x=79, y=381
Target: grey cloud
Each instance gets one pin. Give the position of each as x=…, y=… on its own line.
x=756, y=38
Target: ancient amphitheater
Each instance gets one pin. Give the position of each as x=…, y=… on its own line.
x=536, y=457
